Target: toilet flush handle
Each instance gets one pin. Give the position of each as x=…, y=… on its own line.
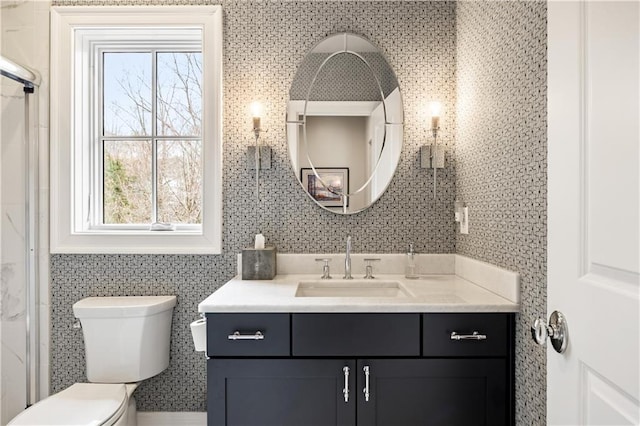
x=77, y=325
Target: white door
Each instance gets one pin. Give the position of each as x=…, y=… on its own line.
x=593, y=198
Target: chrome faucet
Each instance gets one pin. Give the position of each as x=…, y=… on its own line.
x=347, y=261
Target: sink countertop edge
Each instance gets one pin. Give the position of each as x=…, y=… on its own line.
x=433, y=293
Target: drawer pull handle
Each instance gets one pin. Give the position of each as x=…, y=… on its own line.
x=237, y=336
x=345, y=391
x=474, y=336
x=366, y=383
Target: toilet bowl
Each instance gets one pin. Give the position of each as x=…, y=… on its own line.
x=126, y=341
x=83, y=404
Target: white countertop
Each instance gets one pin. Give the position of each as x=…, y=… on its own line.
x=447, y=283
x=429, y=293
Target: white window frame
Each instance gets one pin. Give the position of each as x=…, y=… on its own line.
x=73, y=29
x=90, y=108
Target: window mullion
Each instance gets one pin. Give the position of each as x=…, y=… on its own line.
x=96, y=166
x=154, y=140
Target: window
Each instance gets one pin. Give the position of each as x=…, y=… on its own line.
x=148, y=144
x=136, y=130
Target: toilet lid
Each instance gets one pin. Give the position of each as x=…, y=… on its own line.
x=81, y=404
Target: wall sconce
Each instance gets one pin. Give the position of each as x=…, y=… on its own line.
x=257, y=154
x=432, y=156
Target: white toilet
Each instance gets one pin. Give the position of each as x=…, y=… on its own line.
x=126, y=341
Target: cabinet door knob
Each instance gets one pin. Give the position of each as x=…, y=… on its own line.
x=345, y=391
x=366, y=383
x=474, y=336
x=237, y=336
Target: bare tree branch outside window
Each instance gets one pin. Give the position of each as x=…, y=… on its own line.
x=174, y=133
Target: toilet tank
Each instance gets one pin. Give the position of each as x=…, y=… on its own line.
x=126, y=338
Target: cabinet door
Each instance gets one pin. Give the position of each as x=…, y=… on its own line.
x=449, y=392
x=280, y=392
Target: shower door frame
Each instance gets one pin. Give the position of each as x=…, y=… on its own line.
x=30, y=82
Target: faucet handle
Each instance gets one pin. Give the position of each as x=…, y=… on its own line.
x=325, y=268
x=369, y=268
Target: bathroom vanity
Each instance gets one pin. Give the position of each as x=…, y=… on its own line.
x=297, y=350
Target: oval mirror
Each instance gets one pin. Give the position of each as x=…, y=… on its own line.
x=344, y=123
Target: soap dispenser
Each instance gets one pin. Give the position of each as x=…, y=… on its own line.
x=410, y=270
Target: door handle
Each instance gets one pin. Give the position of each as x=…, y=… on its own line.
x=237, y=336
x=474, y=336
x=556, y=330
x=345, y=391
x=366, y=383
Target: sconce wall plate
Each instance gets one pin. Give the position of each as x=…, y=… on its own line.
x=265, y=157
x=432, y=157
x=425, y=157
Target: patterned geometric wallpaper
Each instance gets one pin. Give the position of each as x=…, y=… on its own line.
x=501, y=160
x=344, y=77
x=264, y=41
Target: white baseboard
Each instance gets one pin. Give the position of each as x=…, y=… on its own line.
x=187, y=418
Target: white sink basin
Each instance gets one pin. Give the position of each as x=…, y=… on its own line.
x=352, y=288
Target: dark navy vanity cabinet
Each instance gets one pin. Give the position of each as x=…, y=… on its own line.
x=360, y=369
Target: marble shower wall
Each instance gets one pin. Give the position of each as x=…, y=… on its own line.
x=501, y=152
x=264, y=41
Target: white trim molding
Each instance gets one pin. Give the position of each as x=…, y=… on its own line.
x=189, y=418
x=69, y=141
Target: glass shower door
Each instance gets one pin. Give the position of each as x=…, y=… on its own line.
x=17, y=260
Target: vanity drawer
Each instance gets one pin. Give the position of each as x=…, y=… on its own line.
x=248, y=335
x=355, y=334
x=438, y=338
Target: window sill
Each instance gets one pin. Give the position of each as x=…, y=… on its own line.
x=140, y=232
x=138, y=242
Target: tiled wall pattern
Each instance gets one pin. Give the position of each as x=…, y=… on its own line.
x=501, y=164
x=344, y=77
x=191, y=278
x=264, y=41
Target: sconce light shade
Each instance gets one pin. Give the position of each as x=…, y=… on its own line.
x=258, y=156
x=436, y=108
x=432, y=156
x=256, y=109
x=256, y=113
